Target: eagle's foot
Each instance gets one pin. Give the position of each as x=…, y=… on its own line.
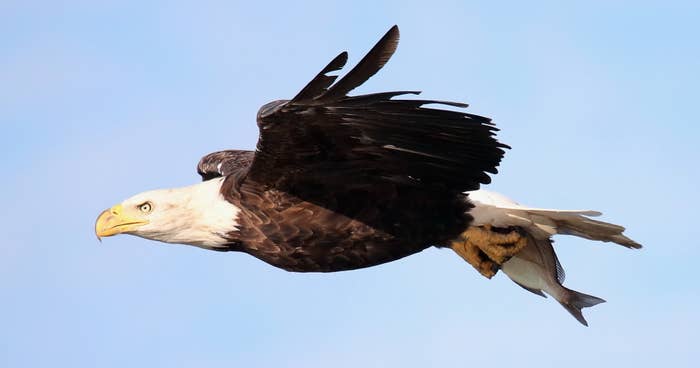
x=486, y=248
x=498, y=243
x=475, y=257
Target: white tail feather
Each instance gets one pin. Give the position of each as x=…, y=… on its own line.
x=498, y=210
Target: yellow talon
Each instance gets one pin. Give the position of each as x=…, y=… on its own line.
x=486, y=248
x=475, y=257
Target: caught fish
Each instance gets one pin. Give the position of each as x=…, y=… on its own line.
x=536, y=269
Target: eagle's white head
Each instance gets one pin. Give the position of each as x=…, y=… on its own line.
x=196, y=215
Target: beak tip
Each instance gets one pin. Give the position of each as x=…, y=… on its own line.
x=99, y=224
x=112, y=222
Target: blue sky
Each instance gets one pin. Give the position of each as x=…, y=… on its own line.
x=101, y=100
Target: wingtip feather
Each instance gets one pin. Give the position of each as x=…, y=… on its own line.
x=375, y=59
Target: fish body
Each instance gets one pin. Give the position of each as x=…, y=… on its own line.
x=537, y=269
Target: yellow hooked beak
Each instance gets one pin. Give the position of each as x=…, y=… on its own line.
x=113, y=221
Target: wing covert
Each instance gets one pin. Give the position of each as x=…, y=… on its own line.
x=223, y=163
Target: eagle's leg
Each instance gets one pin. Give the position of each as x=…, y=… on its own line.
x=486, y=248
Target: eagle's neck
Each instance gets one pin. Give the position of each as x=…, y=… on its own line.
x=199, y=216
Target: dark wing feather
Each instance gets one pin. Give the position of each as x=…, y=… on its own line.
x=223, y=163
x=333, y=142
x=367, y=67
x=321, y=81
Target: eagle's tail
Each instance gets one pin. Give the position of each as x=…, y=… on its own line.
x=497, y=210
x=577, y=223
x=500, y=227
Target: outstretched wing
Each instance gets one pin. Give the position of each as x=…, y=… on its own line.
x=323, y=139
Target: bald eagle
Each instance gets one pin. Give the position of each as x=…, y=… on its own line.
x=341, y=182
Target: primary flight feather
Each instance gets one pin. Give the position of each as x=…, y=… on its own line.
x=342, y=182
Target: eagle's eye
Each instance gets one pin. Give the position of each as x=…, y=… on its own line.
x=145, y=207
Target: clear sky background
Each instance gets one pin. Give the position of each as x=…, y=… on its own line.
x=102, y=100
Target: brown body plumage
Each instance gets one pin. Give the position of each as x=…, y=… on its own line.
x=352, y=229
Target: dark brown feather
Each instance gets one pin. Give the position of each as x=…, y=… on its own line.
x=319, y=85
x=375, y=59
x=223, y=163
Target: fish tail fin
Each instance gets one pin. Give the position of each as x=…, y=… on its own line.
x=575, y=301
